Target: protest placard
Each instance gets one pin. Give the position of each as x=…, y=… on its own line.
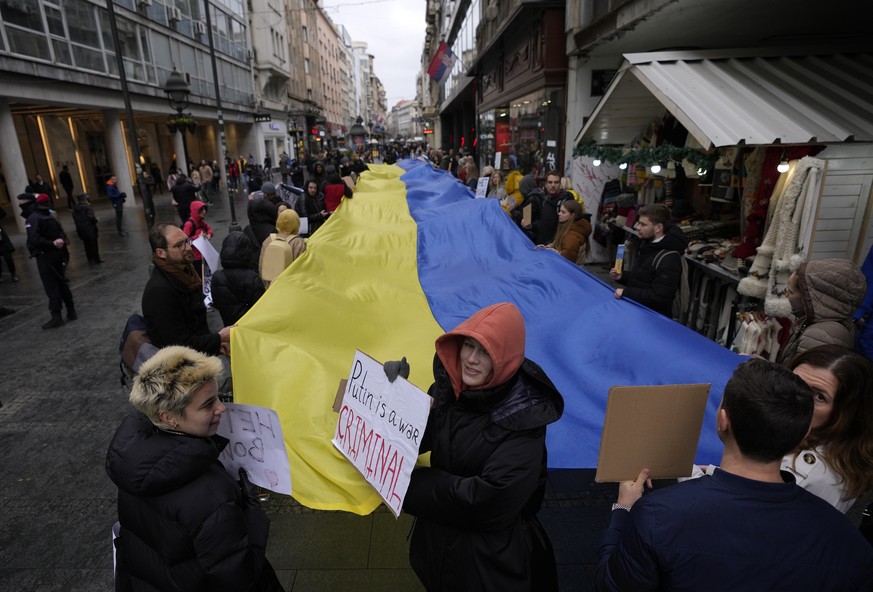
x=380, y=428
x=656, y=427
x=212, y=261
x=482, y=186
x=256, y=444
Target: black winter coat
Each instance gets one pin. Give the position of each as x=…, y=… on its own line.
x=476, y=504
x=184, y=523
x=236, y=287
x=85, y=221
x=262, y=222
x=175, y=315
x=653, y=287
x=310, y=207
x=545, y=224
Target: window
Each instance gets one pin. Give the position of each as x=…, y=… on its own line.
x=306, y=67
x=305, y=35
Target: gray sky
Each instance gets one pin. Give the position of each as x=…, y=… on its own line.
x=394, y=32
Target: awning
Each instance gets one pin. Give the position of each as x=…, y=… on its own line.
x=753, y=97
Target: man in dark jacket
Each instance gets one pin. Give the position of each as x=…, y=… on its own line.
x=117, y=197
x=184, y=192
x=172, y=302
x=86, y=228
x=47, y=241
x=545, y=217
x=744, y=527
x=656, y=274
x=66, y=180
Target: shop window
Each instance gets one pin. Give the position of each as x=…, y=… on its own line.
x=26, y=43
x=62, y=52
x=88, y=59
x=22, y=13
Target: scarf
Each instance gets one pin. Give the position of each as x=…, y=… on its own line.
x=187, y=275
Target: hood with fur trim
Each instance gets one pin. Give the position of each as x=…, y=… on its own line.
x=500, y=330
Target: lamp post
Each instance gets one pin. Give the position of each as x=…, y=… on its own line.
x=177, y=90
x=358, y=133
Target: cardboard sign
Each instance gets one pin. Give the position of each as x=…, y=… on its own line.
x=380, y=428
x=304, y=226
x=498, y=159
x=656, y=427
x=527, y=215
x=256, y=444
x=482, y=186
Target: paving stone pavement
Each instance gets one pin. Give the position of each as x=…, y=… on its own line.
x=62, y=401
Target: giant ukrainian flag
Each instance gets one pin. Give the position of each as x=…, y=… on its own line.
x=408, y=258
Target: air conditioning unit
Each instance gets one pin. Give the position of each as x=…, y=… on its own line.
x=174, y=15
x=199, y=27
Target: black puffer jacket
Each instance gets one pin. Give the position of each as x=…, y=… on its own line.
x=311, y=208
x=184, y=523
x=236, y=287
x=656, y=287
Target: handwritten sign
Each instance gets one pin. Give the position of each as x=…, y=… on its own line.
x=482, y=186
x=256, y=444
x=380, y=428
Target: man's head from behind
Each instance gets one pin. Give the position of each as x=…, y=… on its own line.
x=171, y=244
x=766, y=409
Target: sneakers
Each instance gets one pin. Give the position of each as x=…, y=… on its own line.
x=55, y=322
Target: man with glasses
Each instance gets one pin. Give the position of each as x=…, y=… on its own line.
x=172, y=302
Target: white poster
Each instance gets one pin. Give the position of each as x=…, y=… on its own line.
x=482, y=186
x=498, y=160
x=256, y=444
x=211, y=264
x=380, y=428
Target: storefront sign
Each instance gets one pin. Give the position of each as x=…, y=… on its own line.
x=262, y=117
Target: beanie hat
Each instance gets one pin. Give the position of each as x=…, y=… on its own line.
x=268, y=188
x=43, y=199
x=288, y=222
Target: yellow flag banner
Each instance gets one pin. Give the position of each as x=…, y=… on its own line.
x=355, y=287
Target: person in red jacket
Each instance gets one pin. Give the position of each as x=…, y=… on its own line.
x=197, y=226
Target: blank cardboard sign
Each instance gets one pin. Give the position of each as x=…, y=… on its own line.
x=651, y=426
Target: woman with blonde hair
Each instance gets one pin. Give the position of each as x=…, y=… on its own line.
x=497, y=185
x=571, y=238
x=186, y=524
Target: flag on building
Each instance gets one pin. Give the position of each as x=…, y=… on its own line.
x=442, y=63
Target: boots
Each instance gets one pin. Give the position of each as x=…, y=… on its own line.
x=71, y=314
x=55, y=322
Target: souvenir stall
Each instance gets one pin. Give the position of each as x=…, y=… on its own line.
x=758, y=184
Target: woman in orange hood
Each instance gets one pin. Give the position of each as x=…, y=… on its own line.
x=477, y=503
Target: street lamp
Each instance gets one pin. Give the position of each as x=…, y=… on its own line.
x=177, y=90
x=358, y=133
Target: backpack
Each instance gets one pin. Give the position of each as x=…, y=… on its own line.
x=683, y=292
x=135, y=348
x=277, y=256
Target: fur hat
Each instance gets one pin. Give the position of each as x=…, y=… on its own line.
x=167, y=380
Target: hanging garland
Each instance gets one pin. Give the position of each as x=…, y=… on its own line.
x=647, y=155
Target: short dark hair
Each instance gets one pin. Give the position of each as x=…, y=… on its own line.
x=553, y=174
x=769, y=407
x=656, y=213
x=158, y=236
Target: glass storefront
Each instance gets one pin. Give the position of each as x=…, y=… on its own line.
x=527, y=133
